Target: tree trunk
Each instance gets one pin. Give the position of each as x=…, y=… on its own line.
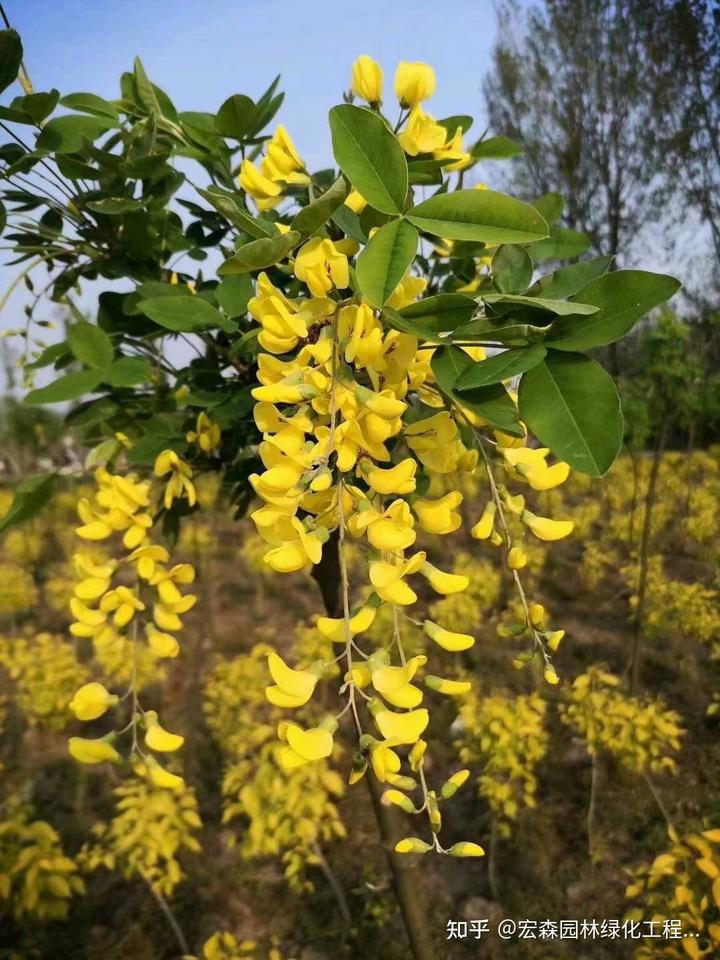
x=634, y=667
x=389, y=821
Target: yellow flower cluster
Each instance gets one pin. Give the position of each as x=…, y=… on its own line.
x=281, y=166
x=682, y=883
x=145, y=838
x=46, y=673
x=639, y=733
x=507, y=735
x=36, y=878
x=113, y=595
x=356, y=433
x=414, y=83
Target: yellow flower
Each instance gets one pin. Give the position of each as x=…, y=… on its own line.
x=485, y=525
x=367, y=79
x=454, y=642
x=282, y=162
x=206, y=434
x=262, y=189
x=414, y=82
x=333, y=628
x=466, y=849
x=439, y=516
x=445, y=583
x=387, y=579
x=179, y=485
x=453, y=154
x=162, y=778
x=146, y=559
x=391, y=530
x=451, y=688
x=292, y=688
x=395, y=683
x=402, y=727
x=92, y=751
x=162, y=644
x=321, y=267
x=397, y=479
x=301, y=552
x=422, y=133
x=304, y=746
x=412, y=845
x=157, y=738
x=91, y=701
x=517, y=558
x=545, y=529
x=541, y=477
x=123, y=603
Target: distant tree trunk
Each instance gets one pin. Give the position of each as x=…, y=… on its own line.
x=634, y=667
x=389, y=821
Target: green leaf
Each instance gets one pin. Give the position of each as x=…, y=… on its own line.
x=457, y=120
x=68, y=134
x=127, y=372
x=227, y=206
x=567, y=281
x=492, y=403
x=448, y=364
x=500, y=367
x=234, y=293
x=622, y=298
x=182, y=314
x=482, y=215
x=259, y=254
x=385, y=260
x=562, y=244
x=235, y=116
x=441, y=313
x=572, y=406
x=112, y=206
x=370, y=156
x=31, y=495
x=90, y=345
x=90, y=103
x=11, y=54
x=550, y=207
x=496, y=148
x=349, y=223
x=69, y=387
x=37, y=105
x=560, y=308
x=512, y=268
x=317, y=213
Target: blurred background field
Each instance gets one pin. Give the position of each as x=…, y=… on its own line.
x=235, y=853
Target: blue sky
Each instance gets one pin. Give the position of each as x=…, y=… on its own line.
x=202, y=51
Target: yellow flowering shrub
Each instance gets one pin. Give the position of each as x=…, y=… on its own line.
x=148, y=834
x=36, y=878
x=682, y=884
x=507, y=738
x=18, y=592
x=225, y=946
x=640, y=733
x=46, y=673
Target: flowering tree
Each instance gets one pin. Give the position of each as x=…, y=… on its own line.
x=340, y=383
